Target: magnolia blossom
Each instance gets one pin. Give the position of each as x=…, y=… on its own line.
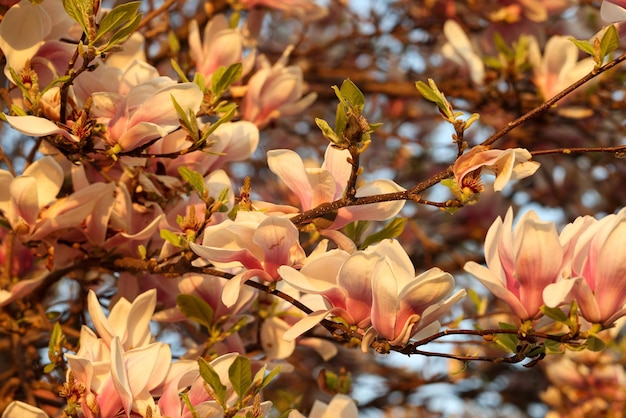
x=188, y=379
x=147, y=112
x=231, y=141
x=274, y=91
x=122, y=370
x=559, y=67
x=28, y=32
x=404, y=304
x=221, y=46
x=506, y=165
x=460, y=50
x=130, y=322
x=23, y=197
x=314, y=186
x=597, y=282
x=255, y=241
x=343, y=280
x=520, y=262
x=209, y=289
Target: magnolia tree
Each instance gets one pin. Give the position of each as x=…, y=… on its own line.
x=252, y=208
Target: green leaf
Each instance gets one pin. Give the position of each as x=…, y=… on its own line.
x=122, y=34
x=228, y=112
x=195, y=309
x=507, y=341
x=57, y=338
x=269, y=377
x=118, y=17
x=78, y=10
x=341, y=120
x=584, y=46
x=327, y=131
x=240, y=375
x=393, y=229
x=351, y=94
x=595, y=344
x=609, y=42
x=223, y=77
x=179, y=71
x=210, y=376
x=554, y=347
x=426, y=92
x=195, y=180
x=554, y=313
x=172, y=238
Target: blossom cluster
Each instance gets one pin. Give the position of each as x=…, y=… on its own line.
x=132, y=197
x=533, y=265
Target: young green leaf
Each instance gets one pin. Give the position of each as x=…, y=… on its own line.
x=179, y=71
x=223, y=77
x=195, y=180
x=122, y=34
x=554, y=313
x=609, y=42
x=196, y=309
x=118, y=17
x=507, y=341
x=172, y=238
x=79, y=11
x=240, y=375
x=393, y=229
x=584, y=46
x=269, y=377
x=327, y=131
x=352, y=95
x=210, y=376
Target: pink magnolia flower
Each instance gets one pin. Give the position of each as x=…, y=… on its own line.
x=520, y=263
x=506, y=165
x=231, y=141
x=146, y=113
x=403, y=304
x=343, y=280
x=597, y=274
x=130, y=322
x=558, y=67
x=209, y=289
x=122, y=370
x=314, y=186
x=257, y=242
x=23, y=197
x=221, y=46
x=274, y=91
x=26, y=31
x=188, y=378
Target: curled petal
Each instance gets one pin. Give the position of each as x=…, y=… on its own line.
x=36, y=126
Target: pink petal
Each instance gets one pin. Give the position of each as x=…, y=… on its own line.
x=613, y=11
x=304, y=325
x=288, y=166
x=119, y=375
x=275, y=236
x=36, y=126
x=274, y=345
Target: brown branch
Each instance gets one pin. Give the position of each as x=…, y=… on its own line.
x=553, y=101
